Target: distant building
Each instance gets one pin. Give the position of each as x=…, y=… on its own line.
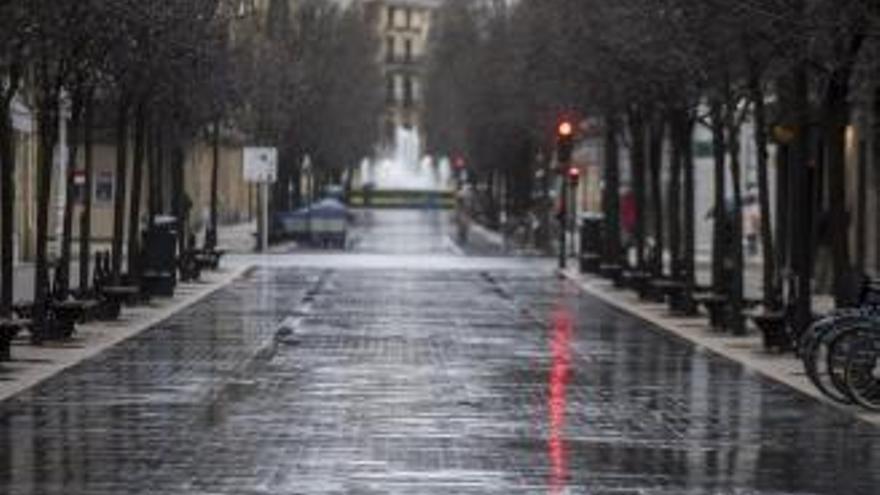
x=403, y=27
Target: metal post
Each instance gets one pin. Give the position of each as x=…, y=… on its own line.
x=263, y=216
x=563, y=221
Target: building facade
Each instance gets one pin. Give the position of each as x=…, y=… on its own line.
x=403, y=27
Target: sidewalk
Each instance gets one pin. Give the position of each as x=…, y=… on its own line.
x=748, y=350
x=31, y=365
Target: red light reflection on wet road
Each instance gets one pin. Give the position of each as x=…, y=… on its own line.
x=560, y=347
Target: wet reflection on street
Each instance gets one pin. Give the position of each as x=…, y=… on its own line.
x=560, y=354
x=454, y=381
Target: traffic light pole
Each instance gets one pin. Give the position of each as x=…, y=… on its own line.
x=564, y=148
x=563, y=222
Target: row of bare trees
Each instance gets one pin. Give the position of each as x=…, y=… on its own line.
x=650, y=73
x=314, y=89
x=156, y=69
x=154, y=76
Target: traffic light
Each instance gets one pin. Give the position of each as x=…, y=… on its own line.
x=574, y=174
x=564, y=142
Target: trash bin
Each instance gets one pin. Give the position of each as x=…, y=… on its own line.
x=591, y=226
x=159, y=257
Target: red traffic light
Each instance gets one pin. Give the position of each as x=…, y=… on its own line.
x=565, y=129
x=458, y=162
x=573, y=173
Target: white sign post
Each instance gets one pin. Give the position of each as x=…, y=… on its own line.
x=260, y=167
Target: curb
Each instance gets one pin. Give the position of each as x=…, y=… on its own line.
x=745, y=351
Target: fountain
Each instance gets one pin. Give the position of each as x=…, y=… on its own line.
x=403, y=168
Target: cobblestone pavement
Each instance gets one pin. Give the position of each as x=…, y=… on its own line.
x=299, y=380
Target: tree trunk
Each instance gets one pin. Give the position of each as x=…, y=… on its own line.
x=7, y=197
x=875, y=153
x=736, y=284
x=657, y=130
x=211, y=234
x=802, y=198
x=611, y=192
x=674, y=194
x=637, y=164
x=134, y=208
x=157, y=171
x=47, y=122
x=719, y=151
x=835, y=119
x=862, y=208
x=120, y=192
x=85, y=229
x=67, y=227
x=178, y=195
x=690, y=237
x=770, y=274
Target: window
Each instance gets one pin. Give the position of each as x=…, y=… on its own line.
x=407, y=91
x=400, y=18
x=79, y=186
x=104, y=187
x=389, y=49
x=389, y=89
x=391, y=12
x=408, y=51
x=409, y=18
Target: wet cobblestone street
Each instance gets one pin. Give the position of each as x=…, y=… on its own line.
x=413, y=380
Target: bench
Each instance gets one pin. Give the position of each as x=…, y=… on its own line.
x=66, y=315
x=675, y=293
x=9, y=329
x=211, y=257
x=189, y=267
x=716, y=305
x=611, y=271
x=773, y=325
x=590, y=262
x=59, y=318
x=113, y=297
x=635, y=279
x=110, y=296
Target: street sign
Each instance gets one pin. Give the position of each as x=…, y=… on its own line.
x=260, y=165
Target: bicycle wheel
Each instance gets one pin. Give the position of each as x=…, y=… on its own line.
x=862, y=374
x=840, y=350
x=825, y=357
